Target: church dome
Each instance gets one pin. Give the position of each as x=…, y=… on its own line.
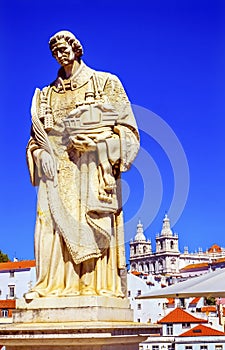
x=140, y=233
x=215, y=248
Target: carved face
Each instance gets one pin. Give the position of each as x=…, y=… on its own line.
x=63, y=53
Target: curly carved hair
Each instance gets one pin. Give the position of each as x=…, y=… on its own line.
x=70, y=39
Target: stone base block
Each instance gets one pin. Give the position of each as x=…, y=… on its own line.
x=76, y=336
x=72, y=309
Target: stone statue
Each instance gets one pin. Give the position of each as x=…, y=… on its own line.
x=83, y=136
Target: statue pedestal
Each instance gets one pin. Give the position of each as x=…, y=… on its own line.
x=75, y=336
x=78, y=323
x=73, y=309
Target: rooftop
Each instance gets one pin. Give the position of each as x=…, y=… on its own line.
x=209, y=308
x=17, y=265
x=8, y=304
x=194, y=301
x=192, y=267
x=171, y=301
x=215, y=248
x=180, y=316
x=201, y=330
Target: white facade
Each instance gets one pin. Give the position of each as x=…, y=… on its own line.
x=145, y=310
x=177, y=324
x=184, y=343
x=158, y=343
x=176, y=329
x=15, y=279
x=200, y=343
x=167, y=259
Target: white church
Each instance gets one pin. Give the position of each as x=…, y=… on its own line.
x=167, y=259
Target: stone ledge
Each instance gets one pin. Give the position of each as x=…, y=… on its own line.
x=77, y=301
x=76, y=336
x=69, y=314
x=72, y=309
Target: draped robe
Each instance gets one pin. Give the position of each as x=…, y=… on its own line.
x=79, y=238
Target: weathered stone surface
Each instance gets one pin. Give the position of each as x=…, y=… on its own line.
x=76, y=336
x=90, y=308
x=84, y=135
x=79, y=301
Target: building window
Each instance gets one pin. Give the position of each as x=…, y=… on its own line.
x=11, y=273
x=139, y=306
x=170, y=347
x=128, y=293
x=188, y=347
x=186, y=325
x=138, y=320
x=133, y=267
x=160, y=266
x=139, y=292
x=218, y=347
x=169, y=329
x=181, y=303
x=4, y=313
x=155, y=347
x=203, y=347
x=12, y=291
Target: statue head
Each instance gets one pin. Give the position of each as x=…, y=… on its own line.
x=65, y=41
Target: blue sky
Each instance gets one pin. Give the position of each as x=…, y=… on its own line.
x=170, y=56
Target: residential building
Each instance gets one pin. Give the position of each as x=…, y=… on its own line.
x=178, y=320
x=201, y=337
x=145, y=310
x=6, y=308
x=15, y=279
x=182, y=330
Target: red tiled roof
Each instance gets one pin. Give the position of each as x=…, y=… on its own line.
x=17, y=265
x=209, y=308
x=8, y=304
x=180, y=316
x=150, y=283
x=171, y=301
x=194, y=301
x=201, y=330
x=136, y=273
x=195, y=266
x=218, y=261
x=215, y=248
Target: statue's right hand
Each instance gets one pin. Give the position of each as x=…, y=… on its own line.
x=47, y=164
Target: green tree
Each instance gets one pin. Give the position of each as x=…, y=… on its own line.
x=210, y=301
x=3, y=257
